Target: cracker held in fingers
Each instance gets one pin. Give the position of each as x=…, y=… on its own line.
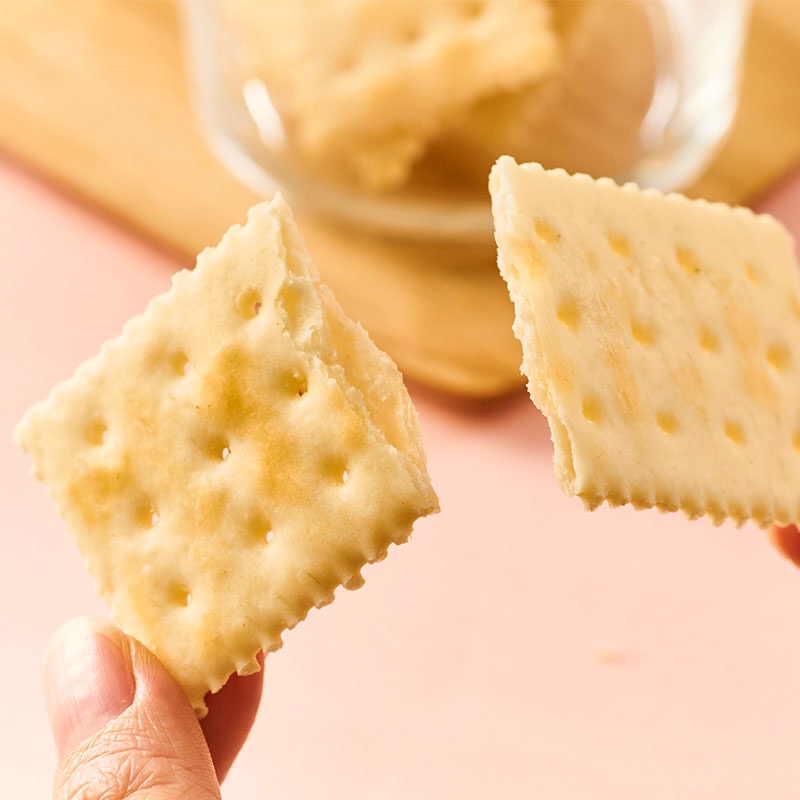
x=661, y=339
x=237, y=453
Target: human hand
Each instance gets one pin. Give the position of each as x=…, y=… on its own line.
x=787, y=540
x=123, y=727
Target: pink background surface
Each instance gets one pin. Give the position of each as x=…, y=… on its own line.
x=516, y=648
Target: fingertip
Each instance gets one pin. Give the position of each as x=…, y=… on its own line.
x=89, y=680
x=93, y=673
x=787, y=541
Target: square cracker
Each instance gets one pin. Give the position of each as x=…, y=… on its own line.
x=367, y=83
x=661, y=340
x=238, y=452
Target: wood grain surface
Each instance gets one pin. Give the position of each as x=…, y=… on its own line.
x=93, y=95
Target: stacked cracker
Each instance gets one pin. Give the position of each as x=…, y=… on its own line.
x=366, y=84
x=586, y=115
x=367, y=89
x=240, y=451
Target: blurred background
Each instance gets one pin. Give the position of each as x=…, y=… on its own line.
x=122, y=101
x=516, y=647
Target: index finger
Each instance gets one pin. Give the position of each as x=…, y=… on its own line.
x=231, y=713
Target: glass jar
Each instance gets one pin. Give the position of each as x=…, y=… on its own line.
x=387, y=114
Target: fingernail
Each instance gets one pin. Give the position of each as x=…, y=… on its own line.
x=88, y=680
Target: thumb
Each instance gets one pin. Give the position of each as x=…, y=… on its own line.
x=123, y=727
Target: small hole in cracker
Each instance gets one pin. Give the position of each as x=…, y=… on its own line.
x=667, y=422
x=753, y=274
x=642, y=332
x=592, y=410
x=295, y=382
x=145, y=514
x=179, y=595
x=687, y=261
x=216, y=448
x=179, y=363
x=248, y=303
x=96, y=432
x=734, y=432
x=568, y=314
x=619, y=244
x=707, y=340
x=546, y=232
x=778, y=356
x=259, y=529
x=336, y=470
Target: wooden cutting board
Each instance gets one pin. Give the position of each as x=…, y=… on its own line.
x=93, y=95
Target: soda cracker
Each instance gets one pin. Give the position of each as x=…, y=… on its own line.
x=661, y=340
x=238, y=452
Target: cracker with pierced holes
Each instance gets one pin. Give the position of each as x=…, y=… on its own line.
x=241, y=450
x=367, y=83
x=661, y=340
